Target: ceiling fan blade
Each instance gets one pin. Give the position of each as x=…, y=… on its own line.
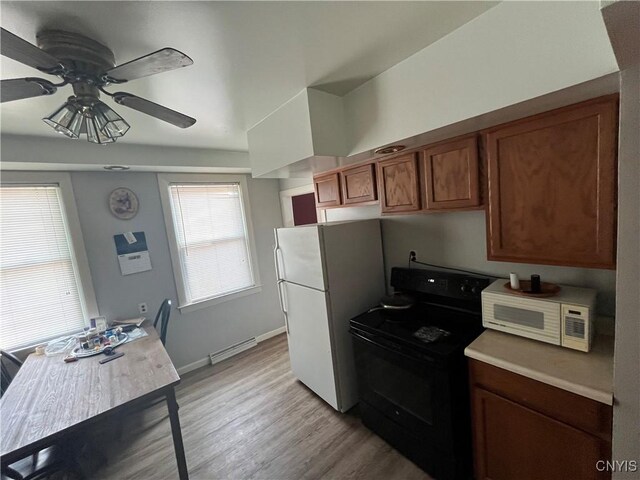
x=19, y=88
x=156, y=62
x=158, y=111
x=14, y=47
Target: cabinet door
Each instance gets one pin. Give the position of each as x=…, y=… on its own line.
x=512, y=442
x=327, y=189
x=552, y=187
x=450, y=174
x=398, y=184
x=358, y=184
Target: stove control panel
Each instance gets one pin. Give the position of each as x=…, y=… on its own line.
x=472, y=287
x=433, y=282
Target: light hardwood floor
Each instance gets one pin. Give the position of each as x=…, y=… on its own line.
x=249, y=418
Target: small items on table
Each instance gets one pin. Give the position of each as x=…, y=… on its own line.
x=91, y=342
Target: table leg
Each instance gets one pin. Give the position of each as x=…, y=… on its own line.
x=172, y=405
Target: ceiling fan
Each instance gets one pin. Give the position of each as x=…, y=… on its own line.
x=88, y=67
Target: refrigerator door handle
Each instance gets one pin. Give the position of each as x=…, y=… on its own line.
x=283, y=306
x=276, y=260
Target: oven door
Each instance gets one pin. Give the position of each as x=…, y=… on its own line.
x=408, y=387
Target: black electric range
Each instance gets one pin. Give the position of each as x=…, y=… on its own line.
x=412, y=373
x=432, y=330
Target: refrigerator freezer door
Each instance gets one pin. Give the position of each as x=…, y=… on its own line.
x=299, y=256
x=309, y=340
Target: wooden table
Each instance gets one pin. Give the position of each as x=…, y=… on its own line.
x=49, y=399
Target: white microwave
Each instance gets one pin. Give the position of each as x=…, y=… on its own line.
x=565, y=319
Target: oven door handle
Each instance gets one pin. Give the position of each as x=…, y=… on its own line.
x=419, y=357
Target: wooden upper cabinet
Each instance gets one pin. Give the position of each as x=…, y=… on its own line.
x=450, y=174
x=552, y=187
x=327, y=188
x=398, y=184
x=358, y=184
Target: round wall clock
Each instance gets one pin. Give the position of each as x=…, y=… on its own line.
x=123, y=203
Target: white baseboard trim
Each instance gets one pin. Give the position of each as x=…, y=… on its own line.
x=207, y=361
x=272, y=333
x=192, y=366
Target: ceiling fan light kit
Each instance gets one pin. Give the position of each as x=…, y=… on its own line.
x=89, y=67
x=67, y=119
x=101, y=124
x=94, y=134
x=110, y=123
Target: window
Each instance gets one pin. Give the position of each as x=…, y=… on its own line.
x=42, y=295
x=210, y=237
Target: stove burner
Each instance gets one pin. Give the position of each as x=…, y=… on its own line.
x=430, y=334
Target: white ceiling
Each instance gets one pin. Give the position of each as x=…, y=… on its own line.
x=249, y=57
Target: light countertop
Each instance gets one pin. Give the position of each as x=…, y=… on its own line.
x=587, y=374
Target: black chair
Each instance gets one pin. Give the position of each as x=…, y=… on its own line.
x=164, y=312
x=42, y=463
x=8, y=371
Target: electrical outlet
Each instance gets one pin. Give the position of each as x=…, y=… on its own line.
x=142, y=308
x=413, y=255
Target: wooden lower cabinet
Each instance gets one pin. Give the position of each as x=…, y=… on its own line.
x=514, y=440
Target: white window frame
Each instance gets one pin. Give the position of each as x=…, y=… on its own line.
x=70, y=212
x=165, y=180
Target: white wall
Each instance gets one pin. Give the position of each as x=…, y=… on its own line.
x=283, y=137
x=287, y=183
x=191, y=336
x=458, y=239
x=623, y=25
x=309, y=124
x=626, y=413
x=513, y=52
x=21, y=152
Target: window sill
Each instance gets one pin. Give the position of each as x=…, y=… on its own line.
x=26, y=350
x=192, y=307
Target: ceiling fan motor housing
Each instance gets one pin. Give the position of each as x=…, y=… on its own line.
x=82, y=56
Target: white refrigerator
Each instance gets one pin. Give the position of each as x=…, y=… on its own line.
x=327, y=274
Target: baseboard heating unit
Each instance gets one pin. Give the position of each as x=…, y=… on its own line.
x=232, y=350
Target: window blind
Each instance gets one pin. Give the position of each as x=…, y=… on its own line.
x=211, y=234
x=39, y=291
